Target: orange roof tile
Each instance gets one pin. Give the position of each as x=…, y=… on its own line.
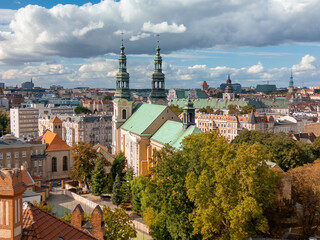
x=38, y=224
x=54, y=142
x=26, y=178
x=55, y=120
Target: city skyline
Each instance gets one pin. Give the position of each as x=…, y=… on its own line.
x=78, y=45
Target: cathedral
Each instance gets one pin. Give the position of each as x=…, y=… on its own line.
x=141, y=128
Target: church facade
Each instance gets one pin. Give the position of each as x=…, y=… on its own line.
x=141, y=128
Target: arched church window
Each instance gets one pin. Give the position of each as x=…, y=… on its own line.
x=54, y=164
x=124, y=114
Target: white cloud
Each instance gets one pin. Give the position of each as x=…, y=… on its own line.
x=91, y=26
x=307, y=63
x=198, y=67
x=139, y=36
x=163, y=27
x=256, y=68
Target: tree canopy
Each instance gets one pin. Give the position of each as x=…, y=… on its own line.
x=99, y=177
x=79, y=110
x=208, y=190
x=176, y=109
x=84, y=157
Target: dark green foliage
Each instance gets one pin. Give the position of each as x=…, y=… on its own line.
x=138, y=184
x=116, y=192
x=80, y=109
x=118, y=166
x=217, y=95
x=4, y=123
x=247, y=109
x=177, y=110
x=207, y=109
x=99, y=177
x=126, y=186
x=109, y=186
x=107, y=97
x=281, y=148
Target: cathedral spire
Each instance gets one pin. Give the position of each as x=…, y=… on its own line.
x=158, y=85
x=122, y=83
x=291, y=81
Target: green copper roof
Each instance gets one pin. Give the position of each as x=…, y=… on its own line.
x=172, y=133
x=142, y=118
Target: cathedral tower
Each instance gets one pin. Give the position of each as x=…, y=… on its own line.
x=122, y=106
x=228, y=91
x=188, y=114
x=158, y=94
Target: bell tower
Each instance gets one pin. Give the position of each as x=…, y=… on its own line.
x=188, y=114
x=122, y=105
x=11, y=190
x=158, y=94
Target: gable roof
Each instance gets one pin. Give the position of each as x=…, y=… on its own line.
x=54, y=142
x=143, y=117
x=38, y=224
x=26, y=178
x=172, y=133
x=55, y=120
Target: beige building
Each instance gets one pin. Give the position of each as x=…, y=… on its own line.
x=230, y=126
x=105, y=106
x=24, y=122
x=15, y=153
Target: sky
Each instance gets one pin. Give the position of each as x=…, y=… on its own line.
x=75, y=43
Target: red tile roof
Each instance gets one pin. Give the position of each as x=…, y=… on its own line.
x=55, y=143
x=26, y=178
x=38, y=224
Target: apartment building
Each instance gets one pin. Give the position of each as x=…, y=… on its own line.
x=230, y=126
x=15, y=153
x=24, y=122
x=92, y=129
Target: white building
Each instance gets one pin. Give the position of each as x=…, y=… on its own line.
x=24, y=122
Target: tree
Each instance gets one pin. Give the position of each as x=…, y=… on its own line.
x=44, y=206
x=176, y=109
x=233, y=109
x=306, y=193
x=164, y=201
x=109, y=186
x=4, y=123
x=116, y=192
x=118, y=165
x=118, y=224
x=107, y=97
x=84, y=156
x=99, y=177
x=126, y=186
x=316, y=146
x=247, y=109
x=79, y=110
x=138, y=184
x=68, y=217
x=231, y=189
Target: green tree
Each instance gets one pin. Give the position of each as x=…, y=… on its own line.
x=231, y=191
x=316, y=147
x=164, y=202
x=4, y=123
x=109, y=186
x=99, y=177
x=84, y=157
x=126, y=186
x=44, y=206
x=138, y=184
x=176, y=109
x=79, y=110
x=107, y=97
x=247, y=109
x=116, y=192
x=118, y=165
x=118, y=224
x=233, y=109
x=68, y=217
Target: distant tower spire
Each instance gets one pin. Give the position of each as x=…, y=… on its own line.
x=158, y=84
x=290, y=88
x=122, y=83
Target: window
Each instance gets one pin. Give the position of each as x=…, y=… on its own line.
x=1, y=155
x=31, y=152
x=9, y=165
x=37, y=152
x=24, y=154
x=41, y=151
x=16, y=165
x=54, y=164
x=35, y=163
x=16, y=155
x=8, y=155
x=124, y=114
x=40, y=163
x=65, y=163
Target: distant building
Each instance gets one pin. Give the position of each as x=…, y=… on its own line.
x=266, y=88
x=105, y=106
x=236, y=87
x=24, y=122
x=184, y=94
x=228, y=93
x=27, y=85
x=2, y=85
